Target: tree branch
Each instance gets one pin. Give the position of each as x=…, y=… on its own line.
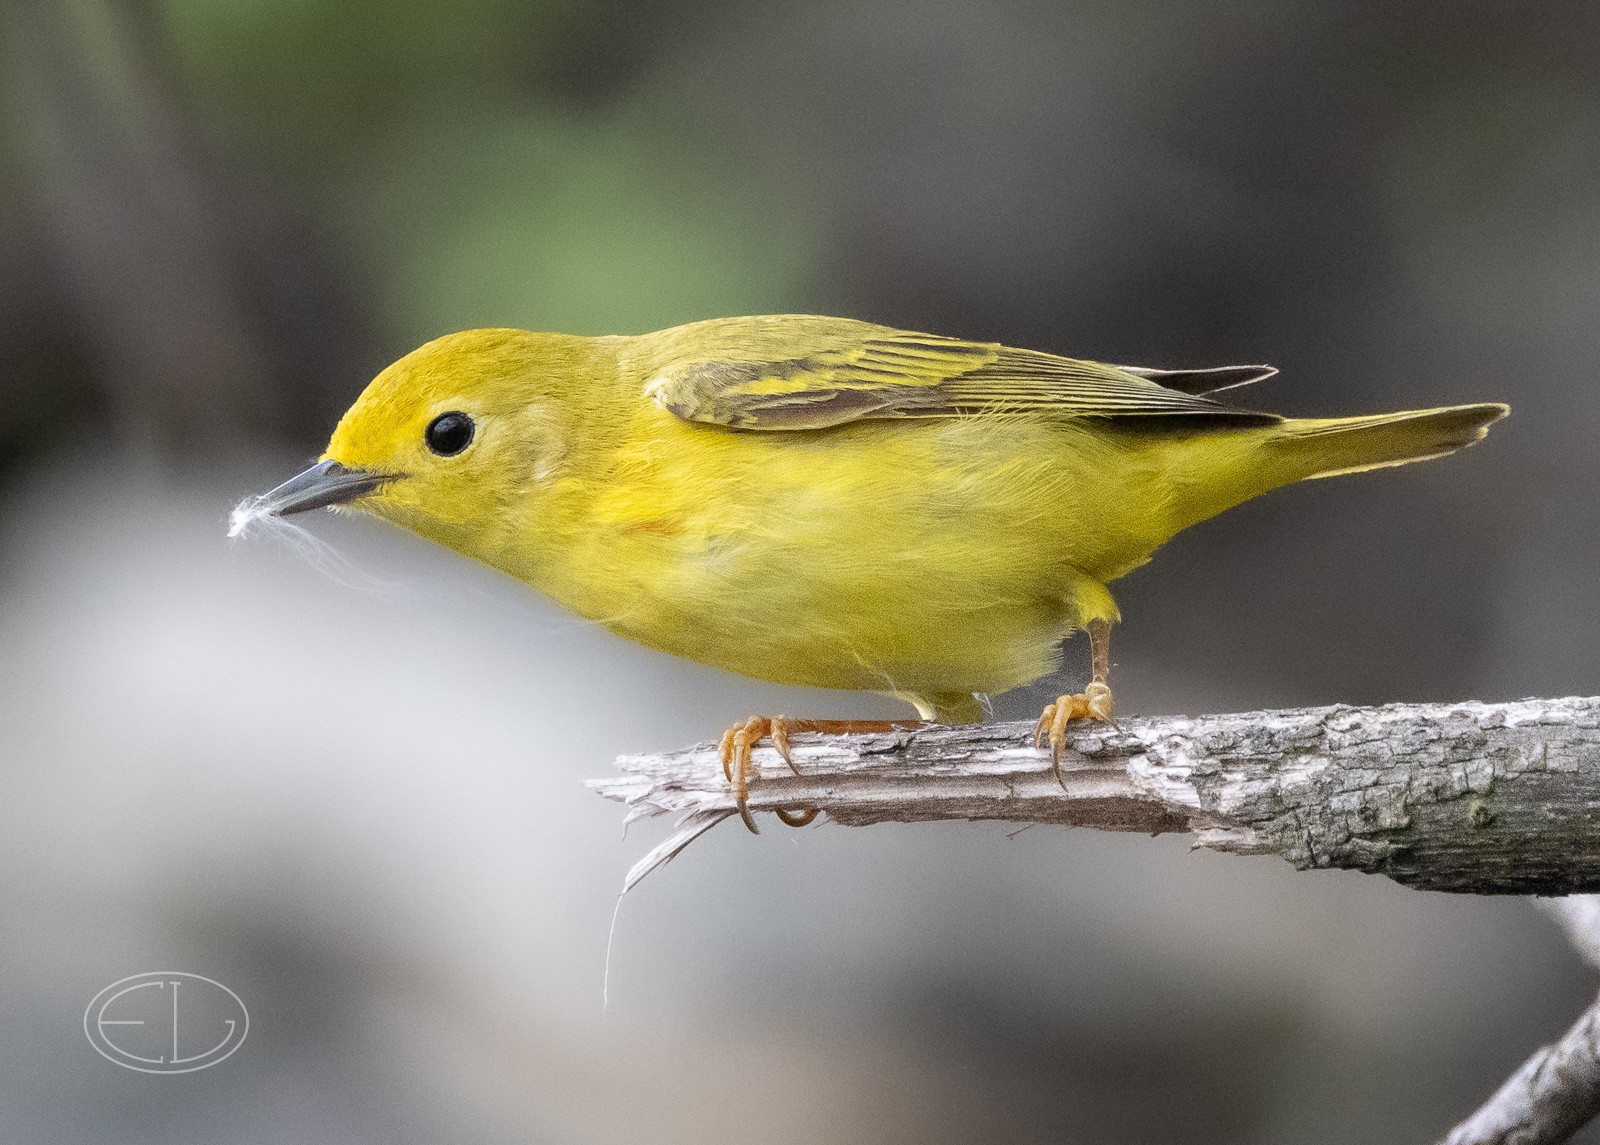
x=1557, y=1090
x=1484, y=798
x=1481, y=798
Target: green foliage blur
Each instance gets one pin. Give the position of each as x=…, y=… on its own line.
x=558, y=194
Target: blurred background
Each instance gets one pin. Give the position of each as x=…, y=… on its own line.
x=357, y=800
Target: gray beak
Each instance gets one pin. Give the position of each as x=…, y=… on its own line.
x=325, y=483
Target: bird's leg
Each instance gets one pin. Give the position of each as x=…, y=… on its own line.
x=739, y=740
x=1093, y=703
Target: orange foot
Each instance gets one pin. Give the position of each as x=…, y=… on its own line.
x=739, y=740
x=1093, y=703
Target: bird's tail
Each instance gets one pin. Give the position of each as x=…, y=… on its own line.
x=1326, y=447
x=1207, y=473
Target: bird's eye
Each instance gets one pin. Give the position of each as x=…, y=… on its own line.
x=449, y=433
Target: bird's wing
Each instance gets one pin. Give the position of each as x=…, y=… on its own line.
x=1203, y=381
x=893, y=374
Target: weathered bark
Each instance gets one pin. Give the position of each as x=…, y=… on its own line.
x=1482, y=798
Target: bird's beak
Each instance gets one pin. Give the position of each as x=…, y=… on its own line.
x=325, y=483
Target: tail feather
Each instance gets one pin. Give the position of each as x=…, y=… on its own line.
x=1328, y=447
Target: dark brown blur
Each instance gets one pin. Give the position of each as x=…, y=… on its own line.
x=356, y=800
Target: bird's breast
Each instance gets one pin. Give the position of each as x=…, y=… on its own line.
x=889, y=557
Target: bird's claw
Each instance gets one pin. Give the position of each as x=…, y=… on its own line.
x=1093, y=703
x=737, y=744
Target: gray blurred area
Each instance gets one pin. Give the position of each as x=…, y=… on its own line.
x=352, y=790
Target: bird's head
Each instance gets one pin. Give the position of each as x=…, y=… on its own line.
x=447, y=438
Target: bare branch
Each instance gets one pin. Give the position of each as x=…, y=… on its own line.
x=1484, y=798
x=1553, y=1095
x=1557, y=1090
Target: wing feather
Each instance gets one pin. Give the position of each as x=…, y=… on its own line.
x=882, y=373
x=1204, y=381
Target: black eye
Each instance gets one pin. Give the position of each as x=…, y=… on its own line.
x=449, y=433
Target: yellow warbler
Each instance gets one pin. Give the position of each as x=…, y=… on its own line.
x=827, y=502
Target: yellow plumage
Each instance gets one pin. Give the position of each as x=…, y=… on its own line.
x=824, y=502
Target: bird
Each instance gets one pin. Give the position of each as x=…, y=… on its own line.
x=826, y=501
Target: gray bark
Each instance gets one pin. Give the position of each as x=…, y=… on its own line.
x=1473, y=797
x=1557, y=1090
x=1482, y=798
x=1553, y=1095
